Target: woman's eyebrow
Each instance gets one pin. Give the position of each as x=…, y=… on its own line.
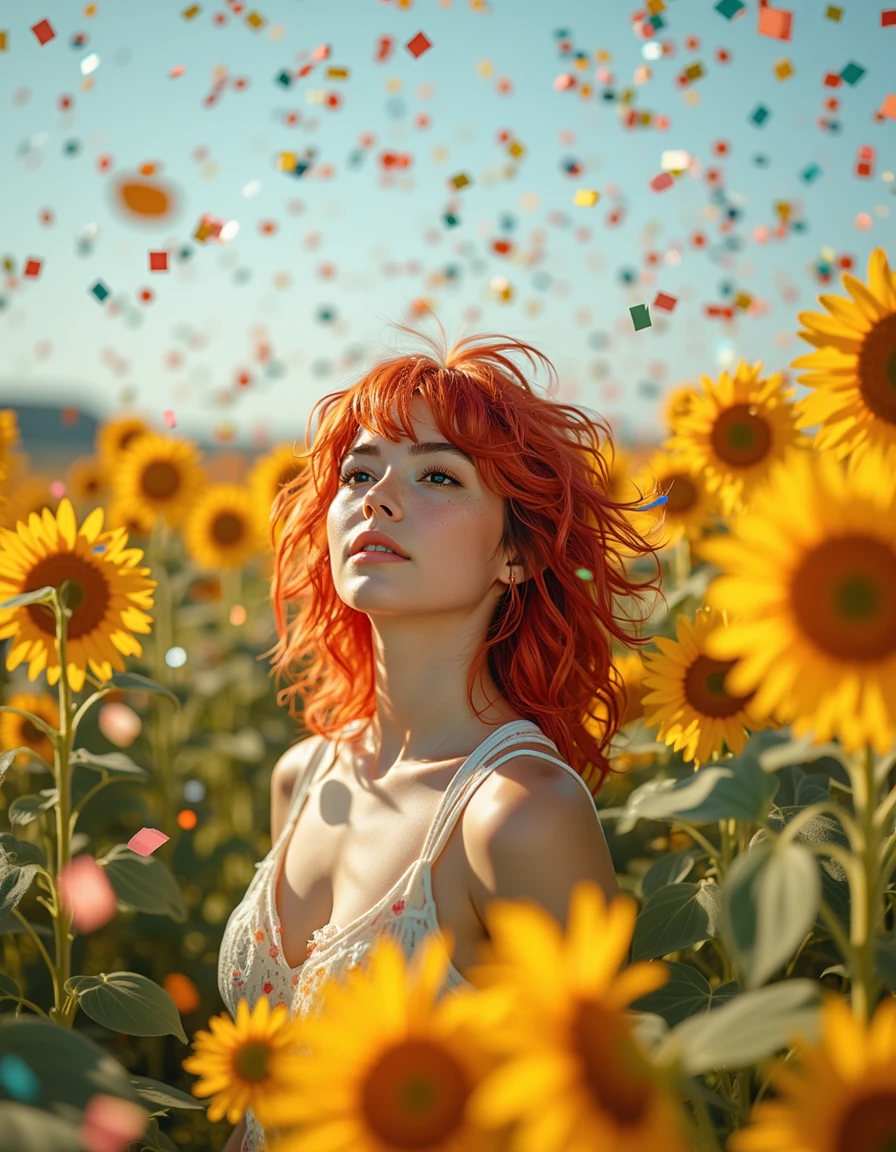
x=421, y=449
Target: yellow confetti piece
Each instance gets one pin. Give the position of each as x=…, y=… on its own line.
x=783, y=69
x=604, y=57
x=742, y=300
x=287, y=161
x=255, y=20
x=3, y=42
x=486, y=69
x=516, y=149
x=694, y=71
x=394, y=85
x=189, y=13
x=461, y=180
x=585, y=198
x=337, y=73
x=654, y=7
x=783, y=210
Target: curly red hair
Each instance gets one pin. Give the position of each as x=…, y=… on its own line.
x=549, y=646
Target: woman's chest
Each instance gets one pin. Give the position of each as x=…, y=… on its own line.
x=351, y=845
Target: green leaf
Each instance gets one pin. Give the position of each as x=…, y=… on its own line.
x=885, y=959
x=799, y=751
x=134, y=682
x=669, y=869
x=143, y=883
x=751, y=1028
x=24, y=809
x=19, y=863
x=769, y=902
x=676, y=917
x=686, y=993
x=28, y=1129
x=38, y=596
x=108, y=762
x=128, y=1002
x=164, y=1095
x=69, y=1066
x=7, y=759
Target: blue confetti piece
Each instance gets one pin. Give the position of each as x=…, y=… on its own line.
x=18, y=1079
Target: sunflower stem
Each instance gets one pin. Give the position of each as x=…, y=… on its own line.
x=705, y=1125
x=26, y=1003
x=34, y=936
x=864, y=904
x=62, y=919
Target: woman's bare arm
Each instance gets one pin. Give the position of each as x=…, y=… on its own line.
x=235, y=1141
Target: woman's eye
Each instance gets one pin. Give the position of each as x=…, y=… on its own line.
x=454, y=482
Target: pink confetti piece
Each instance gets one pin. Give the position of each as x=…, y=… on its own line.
x=662, y=182
x=147, y=840
x=110, y=1124
x=87, y=894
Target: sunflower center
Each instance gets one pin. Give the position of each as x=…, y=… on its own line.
x=869, y=1124
x=160, y=480
x=613, y=1070
x=250, y=1061
x=415, y=1094
x=877, y=369
x=30, y=734
x=227, y=528
x=740, y=437
x=682, y=494
x=704, y=688
x=844, y=598
x=88, y=593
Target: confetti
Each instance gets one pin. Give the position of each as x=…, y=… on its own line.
x=783, y=69
x=585, y=198
x=832, y=12
x=385, y=45
x=158, y=261
x=461, y=180
x=17, y=1079
x=664, y=302
x=888, y=18
x=662, y=182
x=640, y=315
x=888, y=108
x=810, y=173
x=759, y=115
x=418, y=45
x=44, y=31
x=255, y=20
x=100, y=290
x=32, y=269
x=731, y=9
x=87, y=894
x=3, y=41
x=190, y=13
x=147, y=840
x=775, y=22
x=110, y=1124
x=852, y=73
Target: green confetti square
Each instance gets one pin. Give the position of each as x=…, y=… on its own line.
x=100, y=290
x=730, y=8
x=759, y=115
x=640, y=315
x=852, y=73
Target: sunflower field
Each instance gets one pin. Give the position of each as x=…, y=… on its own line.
x=738, y=995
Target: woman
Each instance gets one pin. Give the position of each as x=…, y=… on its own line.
x=459, y=686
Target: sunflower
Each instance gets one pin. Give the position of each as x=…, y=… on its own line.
x=677, y=403
x=247, y=1062
x=691, y=508
x=26, y=494
x=159, y=476
x=86, y=480
x=9, y=438
x=843, y=1096
x=572, y=1074
x=109, y=595
x=135, y=521
x=852, y=373
x=692, y=699
x=268, y=475
x=18, y=731
x=221, y=531
x=735, y=430
x=117, y=435
x=389, y=1067
x=809, y=581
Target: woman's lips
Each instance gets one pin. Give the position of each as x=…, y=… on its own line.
x=380, y=557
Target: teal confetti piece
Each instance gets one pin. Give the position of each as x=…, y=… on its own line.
x=730, y=9
x=100, y=290
x=640, y=315
x=852, y=73
x=810, y=173
x=759, y=115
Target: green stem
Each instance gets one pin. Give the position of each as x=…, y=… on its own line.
x=708, y=847
x=82, y=803
x=864, y=906
x=705, y=1125
x=34, y=936
x=27, y=1004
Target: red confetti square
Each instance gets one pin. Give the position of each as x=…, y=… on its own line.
x=664, y=302
x=32, y=269
x=888, y=18
x=418, y=45
x=44, y=31
x=832, y=80
x=775, y=22
x=158, y=261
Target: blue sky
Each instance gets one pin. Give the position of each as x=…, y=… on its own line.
x=384, y=241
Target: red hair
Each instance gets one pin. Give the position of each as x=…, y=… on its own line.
x=549, y=645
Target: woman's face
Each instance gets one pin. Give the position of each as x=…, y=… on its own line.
x=438, y=511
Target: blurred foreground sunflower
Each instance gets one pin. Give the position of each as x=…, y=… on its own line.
x=735, y=430
x=390, y=1065
x=18, y=731
x=108, y=598
x=247, y=1062
x=809, y=585
x=842, y=1098
x=221, y=531
x=573, y=1074
x=691, y=697
x=852, y=373
x=159, y=476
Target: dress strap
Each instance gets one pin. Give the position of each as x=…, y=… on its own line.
x=299, y=792
x=475, y=769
